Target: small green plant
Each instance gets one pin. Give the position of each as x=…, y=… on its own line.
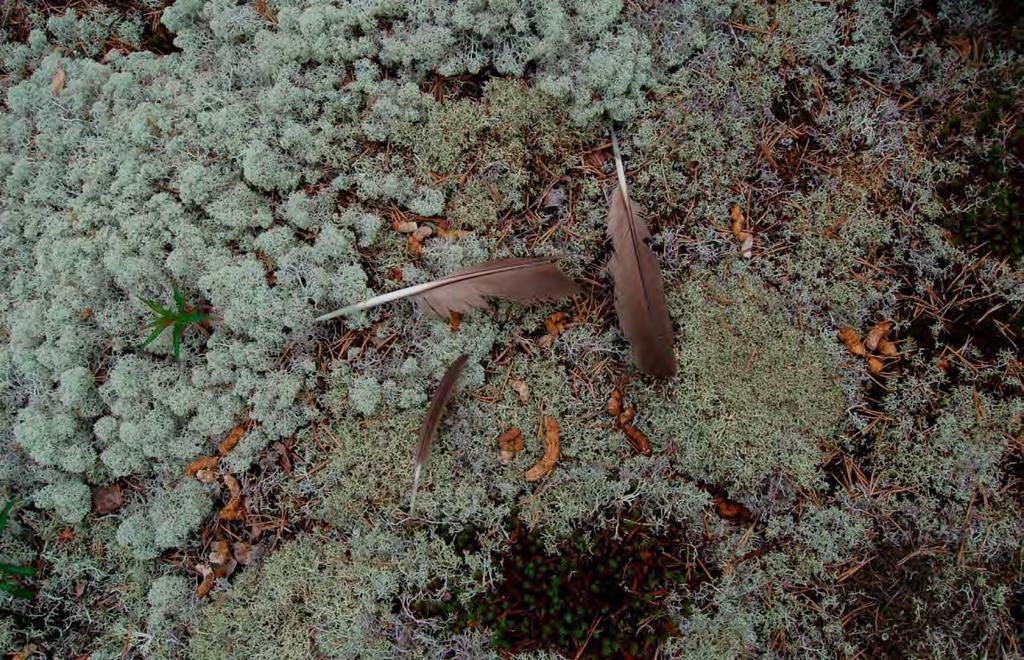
x=8, y=570
x=179, y=319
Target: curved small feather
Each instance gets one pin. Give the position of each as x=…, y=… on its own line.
x=433, y=419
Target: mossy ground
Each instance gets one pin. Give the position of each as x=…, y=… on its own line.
x=260, y=154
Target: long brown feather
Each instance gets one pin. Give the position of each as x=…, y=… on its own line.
x=521, y=279
x=434, y=413
x=639, y=293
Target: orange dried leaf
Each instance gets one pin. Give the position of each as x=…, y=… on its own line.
x=510, y=443
x=627, y=415
x=875, y=365
x=851, y=340
x=106, y=499
x=209, y=578
x=205, y=463
x=415, y=246
x=876, y=334
x=455, y=319
x=615, y=401
x=555, y=323
x=637, y=439
x=235, y=508
x=887, y=348
x=221, y=560
x=228, y=443
x=551, y=451
x=739, y=222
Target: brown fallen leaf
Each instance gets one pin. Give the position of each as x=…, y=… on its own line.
x=876, y=334
x=221, y=560
x=551, y=451
x=232, y=439
x=852, y=341
x=57, y=84
x=887, y=348
x=455, y=320
x=235, y=508
x=555, y=323
x=739, y=222
x=615, y=401
x=875, y=365
x=510, y=443
x=637, y=439
x=521, y=389
x=732, y=510
x=415, y=246
x=627, y=415
x=205, y=463
x=66, y=536
x=106, y=499
x=209, y=578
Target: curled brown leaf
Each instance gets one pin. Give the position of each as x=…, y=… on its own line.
x=235, y=508
x=627, y=415
x=510, y=443
x=204, y=463
x=232, y=439
x=637, y=439
x=879, y=332
x=615, y=401
x=887, y=348
x=551, y=451
x=209, y=578
x=852, y=341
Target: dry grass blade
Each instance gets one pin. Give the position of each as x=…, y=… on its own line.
x=520, y=279
x=429, y=428
x=639, y=293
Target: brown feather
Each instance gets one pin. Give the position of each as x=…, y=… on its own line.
x=639, y=292
x=433, y=419
x=520, y=279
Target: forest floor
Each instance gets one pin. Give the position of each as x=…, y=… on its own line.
x=835, y=196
